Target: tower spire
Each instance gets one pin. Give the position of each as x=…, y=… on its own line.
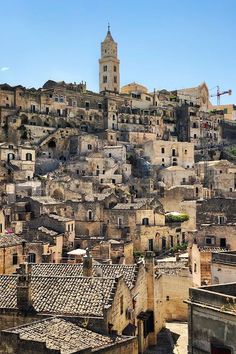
x=108, y=27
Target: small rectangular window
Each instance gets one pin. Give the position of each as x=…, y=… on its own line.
x=121, y=304
x=14, y=258
x=223, y=242
x=105, y=68
x=162, y=150
x=87, y=105
x=114, y=68
x=104, y=79
x=115, y=79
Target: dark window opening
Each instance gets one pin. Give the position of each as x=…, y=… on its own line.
x=145, y=221
x=14, y=258
x=223, y=242
x=32, y=258
x=150, y=245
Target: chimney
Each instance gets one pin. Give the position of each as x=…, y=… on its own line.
x=23, y=288
x=87, y=264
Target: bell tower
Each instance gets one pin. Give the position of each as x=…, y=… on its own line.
x=109, y=65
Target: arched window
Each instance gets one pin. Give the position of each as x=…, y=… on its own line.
x=52, y=144
x=145, y=221
x=10, y=156
x=28, y=156
x=89, y=215
x=197, y=191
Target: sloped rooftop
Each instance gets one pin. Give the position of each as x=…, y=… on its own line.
x=64, y=336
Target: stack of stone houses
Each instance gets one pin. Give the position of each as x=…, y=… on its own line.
x=139, y=180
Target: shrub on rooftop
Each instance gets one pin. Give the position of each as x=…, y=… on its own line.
x=177, y=218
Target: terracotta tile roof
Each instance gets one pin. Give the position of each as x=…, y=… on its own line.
x=64, y=336
x=78, y=296
x=106, y=270
x=8, y=291
x=10, y=240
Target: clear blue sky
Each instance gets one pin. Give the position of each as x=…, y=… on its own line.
x=162, y=43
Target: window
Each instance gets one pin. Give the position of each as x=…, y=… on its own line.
x=115, y=79
x=173, y=152
x=113, y=181
x=28, y=157
x=104, y=79
x=150, y=244
x=185, y=151
x=87, y=105
x=145, y=221
x=195, y=136
x=0, y=228
x=105, y=68
x=10, y=157
x=223, y=242
x=119, y=222
x=56, y=99
x=90, y=215
x=109, y=154
x=162, y=150
x=221, y=220
x=99, y=106
x=68, y=228
x=32, y=257
x=61, y=99
x=197, y=191
x=167, y=298
x=89, y=147
x=209, y=240
x=163, y=243
x=121, y=304
x=195, y=268
x=114, y=68
x=14, y=258
x=171, y=241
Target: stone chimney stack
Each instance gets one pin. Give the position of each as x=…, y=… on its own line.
x=87, y=264
x=23, y=288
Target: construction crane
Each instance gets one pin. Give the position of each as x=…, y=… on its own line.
x=220, y=93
